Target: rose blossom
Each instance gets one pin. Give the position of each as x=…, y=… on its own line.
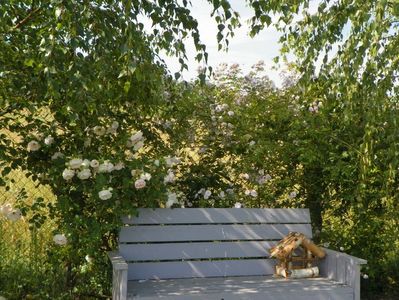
x=207, y=194
x=94, y=163
x=99, y=130
x=14, y=215
x=139, y=183
x=105, y=194
x=75, y=163
x=57, y=155
x=68, y=174
x=172, y=199
x=136, y=137
x=49, y=140
x=6, y=209
x=84, y=174
x=33, y=146
x=60, y=239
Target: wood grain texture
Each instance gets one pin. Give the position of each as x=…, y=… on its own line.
x=119, y=276
x=233, y=288
x=218, y=215
x=150, y=233
x=170, y=251
x=190, y=269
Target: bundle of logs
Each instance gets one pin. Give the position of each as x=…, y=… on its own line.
x=296, y=255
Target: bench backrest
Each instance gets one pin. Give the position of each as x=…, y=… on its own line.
x=206, y=242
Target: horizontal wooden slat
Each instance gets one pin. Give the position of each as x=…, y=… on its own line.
x=151, y=233
x=219, y=215
x=190, y=269
x=239, y=288
x=170, y=251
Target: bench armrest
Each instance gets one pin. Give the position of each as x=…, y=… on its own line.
x=119, y=276
x=343, y=268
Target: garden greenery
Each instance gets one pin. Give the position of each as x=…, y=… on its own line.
x=89, y=109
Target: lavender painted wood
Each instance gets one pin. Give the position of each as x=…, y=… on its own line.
x=219, y=215
x=169, y=233
x=119, y=276
x=190, y=269
x=343, y=268
x=251, y=287
x=183, y=244
x=170, y=251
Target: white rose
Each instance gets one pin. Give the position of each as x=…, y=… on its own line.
x=222, y=195
x=106, y=167
x=365, y=276
x=111, y=130
x=68, y=174
x=170, y=161
x=207, y=194
x=247, y=192
x=341, y=248
x=75, y=163
x=230, y=113
x=156, y=162
x=85, y=163
x=110, y=167
x=261, y=172
x=172, y=199
x=57, y=155
x=94, y=163
x=139, y=183
x=262, y=180
x=244, y=176
x=5, y=209
x=237, y=205
x=119, y=166
x=60, y=239
x=311, y=109
x=254, y=193
x=136, y=137
x=14, y=215
x=105, y=194
x=99, y=130
x=89, y=259
x=138, y=145
x=251, y=143
x=84, y=174
x=219, y=108
x=33, y=146
x=49, y=140
x=169, y=178
x=293, y=195
x=115, y=125
x=145, y=176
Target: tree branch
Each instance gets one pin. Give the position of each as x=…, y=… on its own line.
x=27, y=18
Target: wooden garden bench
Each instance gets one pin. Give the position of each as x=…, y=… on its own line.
x=217, y=253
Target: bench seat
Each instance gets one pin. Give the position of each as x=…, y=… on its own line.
x=221, y=253
x=243, y=287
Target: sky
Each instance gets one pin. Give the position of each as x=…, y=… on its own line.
x=243, y=49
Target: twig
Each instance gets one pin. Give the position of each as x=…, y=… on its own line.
x=26, y=19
